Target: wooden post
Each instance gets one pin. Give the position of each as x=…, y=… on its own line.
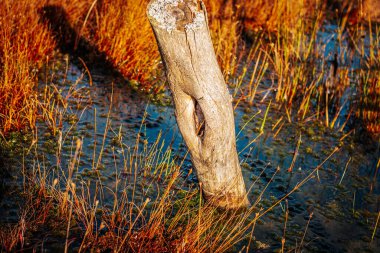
x=202, y=101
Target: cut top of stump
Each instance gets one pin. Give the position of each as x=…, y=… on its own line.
x=177, y=14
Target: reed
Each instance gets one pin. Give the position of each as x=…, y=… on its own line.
x=369, y=108
x=118, y=30
x=147, y=211
x=123, y=33
x=273, y=14
x=148, y=208
x=24, y=45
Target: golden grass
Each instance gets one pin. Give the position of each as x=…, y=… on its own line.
x=147, y=207
x=369, y=108
x=274, y=14
x=123, y=32
x=119, y=29
x=149, y=210
x=24, y=45
x=177, y=219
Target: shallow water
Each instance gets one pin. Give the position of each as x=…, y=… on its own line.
x=343, y=195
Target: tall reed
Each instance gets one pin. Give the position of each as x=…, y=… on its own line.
x=24, y=45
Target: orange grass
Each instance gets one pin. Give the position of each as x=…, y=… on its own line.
x=119, y=29
x=369, y=110
x=173, y=219
x=272, y=14
x=146, y=208
x=123, y=32
x=24, y=45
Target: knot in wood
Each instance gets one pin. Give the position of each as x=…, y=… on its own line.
x=185, y=12
x=177, y=14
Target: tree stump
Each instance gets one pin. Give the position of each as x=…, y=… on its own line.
x=202, y=101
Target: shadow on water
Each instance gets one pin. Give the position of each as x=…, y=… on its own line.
x=108, y=80
x=3, y=172
x=10, y=186
x=69, y=40
x=111, y=91
x=331, y=200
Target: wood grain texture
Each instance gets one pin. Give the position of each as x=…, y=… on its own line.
x=202, y=102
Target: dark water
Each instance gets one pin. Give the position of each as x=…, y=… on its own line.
x=342, y=198
x=342, y=195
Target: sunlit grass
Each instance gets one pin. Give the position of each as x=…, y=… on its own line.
x=118, y=29
x=282, y=57
x=23, y=48
x=148, y=207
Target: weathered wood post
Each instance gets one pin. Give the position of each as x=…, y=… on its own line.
x=202, y=102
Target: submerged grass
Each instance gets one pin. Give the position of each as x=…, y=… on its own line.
x=148, y=208
x=291, y=56
x=110, y=30
x=311, y=75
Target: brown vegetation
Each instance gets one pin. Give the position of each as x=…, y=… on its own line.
x=120, y=32
x=273, y=14
x=23, y=47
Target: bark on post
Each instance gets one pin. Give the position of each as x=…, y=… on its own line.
x=202, y=102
